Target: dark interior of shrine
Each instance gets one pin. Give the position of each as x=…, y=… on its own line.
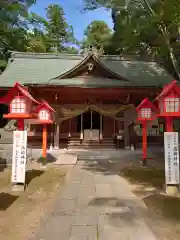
x=87, y=121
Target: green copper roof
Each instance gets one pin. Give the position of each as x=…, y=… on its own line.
x=40, y=68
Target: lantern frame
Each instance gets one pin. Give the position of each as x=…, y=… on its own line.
x=19, y=92
x=150, y=111
x=172, y=93
x=20, y=103
x=46, y=115
x=44, y=106
x=172, y=104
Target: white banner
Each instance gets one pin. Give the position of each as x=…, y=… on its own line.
x=19, y=156
x=171, y=147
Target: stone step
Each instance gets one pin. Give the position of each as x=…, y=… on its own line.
x=90, y=143
x=91, y=146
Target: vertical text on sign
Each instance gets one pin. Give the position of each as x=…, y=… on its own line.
x=19, y=156
x=171, y=147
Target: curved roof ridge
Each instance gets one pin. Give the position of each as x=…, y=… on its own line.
x=15, y=54
x=128, y=58
x=84, y=60
x=46, y=55
x=74, y=68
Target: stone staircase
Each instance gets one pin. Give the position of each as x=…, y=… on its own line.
x=106, y=143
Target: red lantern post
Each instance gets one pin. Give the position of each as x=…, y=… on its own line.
x=45, y=116
x=20, y=108
x=169, y=108
x=146, y=112
x=20, y=105
x=169, y=104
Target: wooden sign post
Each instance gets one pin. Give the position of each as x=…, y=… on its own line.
x=171, y=150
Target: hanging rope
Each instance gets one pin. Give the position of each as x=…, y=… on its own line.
x=66, y=113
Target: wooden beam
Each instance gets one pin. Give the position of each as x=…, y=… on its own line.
x=79, y=95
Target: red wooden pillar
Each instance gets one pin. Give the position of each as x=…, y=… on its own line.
x=44, y=142
x=146, y=112
x=20, y=123
x=144, y=140
x=169, y=124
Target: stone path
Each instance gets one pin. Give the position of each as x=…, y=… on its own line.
x=96, y=206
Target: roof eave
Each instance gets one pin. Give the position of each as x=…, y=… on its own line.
x=92, y=86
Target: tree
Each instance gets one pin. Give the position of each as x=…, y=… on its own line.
x=70, y=50
x=36, y=43
x=13, y=26
x=147, y=27
x=24, y=31
x=38, y=38
x=97, y=34
x=58, y=30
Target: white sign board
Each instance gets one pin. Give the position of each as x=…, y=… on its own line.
x=171, y=147
x=19, y=156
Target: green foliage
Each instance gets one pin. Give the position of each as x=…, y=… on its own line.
x=97, y=34
x=141, y=27
x=145, y=27
x=70, y=50
x=24, y=31
x=94, y=4
x=57, y=27
x=13, y=25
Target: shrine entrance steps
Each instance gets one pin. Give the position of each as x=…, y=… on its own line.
x=106, y=143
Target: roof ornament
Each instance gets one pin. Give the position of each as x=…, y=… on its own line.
x=90, y=67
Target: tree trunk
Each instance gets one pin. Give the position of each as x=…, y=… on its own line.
x=165, y=34
x=173, y=60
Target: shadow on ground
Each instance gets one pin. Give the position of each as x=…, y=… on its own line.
x=131, y=170
x=3, y=164
x=166, y=206
x=112, y=202
x=154, y=177
x=103, y=167
x=120, y=212
x=6, y=200
x=31, y=174
x=49, y=159
x=164, y=215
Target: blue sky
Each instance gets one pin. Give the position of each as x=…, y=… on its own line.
x=74, y=14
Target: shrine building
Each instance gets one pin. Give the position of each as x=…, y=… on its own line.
x=94, y=96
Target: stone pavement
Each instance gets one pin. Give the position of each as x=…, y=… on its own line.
x=96, y=206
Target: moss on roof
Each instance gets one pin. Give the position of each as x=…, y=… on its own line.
x=42, y=68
